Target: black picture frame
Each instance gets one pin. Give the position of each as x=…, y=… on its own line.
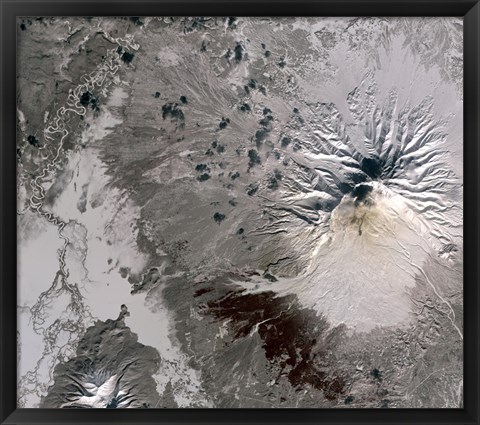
x=9, y=10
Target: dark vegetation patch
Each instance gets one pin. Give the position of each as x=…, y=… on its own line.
x=252, y=189
x=253, y=158
x=238, y=52
x=266, y=120
x=127, y=57
x=33, y=141
x=235, y=175
x=273, y=180
x=201, y=167
x=296, y=340
x=183, y=99
x=172, y=110
x=136, y=20
x=376, y=374
x=261, y=135
x=268, y=53
x=245, y=107
x=218, y=217
x=272, y=183
x=203, y=177
x=220, y=148
x=223, y=123
x=157, y=94
x=281, y=63
x=23, y=27
x=240, y=231
x=231, y=22
x=88, y=98
x=195, y=24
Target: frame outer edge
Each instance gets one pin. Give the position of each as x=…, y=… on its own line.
x=8, y=414
x=471, y=209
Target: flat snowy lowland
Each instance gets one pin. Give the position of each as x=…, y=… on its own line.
x=240, y=212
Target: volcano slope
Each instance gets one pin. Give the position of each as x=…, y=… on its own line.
x=274, y=205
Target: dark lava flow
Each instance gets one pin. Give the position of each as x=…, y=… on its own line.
x=296, y=339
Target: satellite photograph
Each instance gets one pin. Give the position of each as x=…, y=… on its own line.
x=239, y=212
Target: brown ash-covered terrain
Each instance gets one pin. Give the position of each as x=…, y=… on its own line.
x=231, y=212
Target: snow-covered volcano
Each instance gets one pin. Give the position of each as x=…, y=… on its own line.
x=381, y=198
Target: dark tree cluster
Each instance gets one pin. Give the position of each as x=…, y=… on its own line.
x=267, y=53
x=203, y=177
x=172, y=110
x=376, y=374
x=88, y=98
x=274, y=179
x=245, y=107
x=252, y=189
x=33, y=141
x=285, y=141
x=281, y=63
x=183, y=99
x=238, y=52
x=136, y=20
x=223, y=123
x=262, y=133
x=252, y=85
x=127, y=57
x=253, y=158
x=201, y=167
x=272, y=183
x=196, y=23
x=218, y=217
x=231, y=22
